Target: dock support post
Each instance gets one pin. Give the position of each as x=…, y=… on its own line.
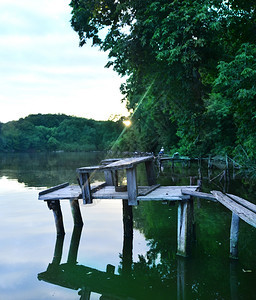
x=76, y=213
x=84, y=179
x=54, y=205
x=185, y=227
x=234, y=232
x=111, y=177
x=132, y=187
x=151, y=176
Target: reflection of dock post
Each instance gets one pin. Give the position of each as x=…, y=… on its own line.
x=85, y=294
x=58, y=250
x=233, y=280
x=128, y=238
x=74, y=244
x=234, y=232
x=76, y=213
x=181, y=278
x=54, y=205
x=185, y=227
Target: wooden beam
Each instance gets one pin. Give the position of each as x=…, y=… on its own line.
x=54, y=188
x=243, y=213
x=128, y=163
x=199, y=195
x=243, y=202
x=148, y=189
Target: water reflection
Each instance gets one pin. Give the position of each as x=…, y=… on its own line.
x=46, y=169
x=86, y=279
x=158, y=274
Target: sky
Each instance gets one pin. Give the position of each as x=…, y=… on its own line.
x=43, y=69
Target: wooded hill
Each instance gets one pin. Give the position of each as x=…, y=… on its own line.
x=52, y=132
x=190, y=67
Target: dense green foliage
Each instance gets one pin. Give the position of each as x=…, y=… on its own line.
x=190, y=67
x=57, y=132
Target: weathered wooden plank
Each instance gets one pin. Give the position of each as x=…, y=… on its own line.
x=128, y=163
x=234, y=232
x=108, y=161
x=199, y=195
x=97, y=186
x=68, y=192
x=132, y=187
x=108, y=192
x=54, y=188
x=143, y=191
x=243, y=213
x=169, y=193
x=243, y=202
x=89, y=169
x=161, y=193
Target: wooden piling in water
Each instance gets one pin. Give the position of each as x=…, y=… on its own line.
x=185, y=227
x=76, y=213
x=234, y=232
x=54, y=205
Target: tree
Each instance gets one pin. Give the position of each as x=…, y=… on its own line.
x=175, y=48
x=65, y=133
x=235, y=85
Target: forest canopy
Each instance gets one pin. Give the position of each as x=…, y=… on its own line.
x=190, y=69
x=55, y=132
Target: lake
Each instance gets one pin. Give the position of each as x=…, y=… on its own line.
x=99, y=261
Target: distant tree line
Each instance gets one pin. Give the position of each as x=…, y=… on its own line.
x=190, y=67
x=52, y=132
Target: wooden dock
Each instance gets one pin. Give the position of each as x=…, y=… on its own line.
x=132, y=193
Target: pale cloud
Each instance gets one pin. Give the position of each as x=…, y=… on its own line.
x=43, y=70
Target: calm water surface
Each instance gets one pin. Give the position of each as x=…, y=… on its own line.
x=140, y=264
